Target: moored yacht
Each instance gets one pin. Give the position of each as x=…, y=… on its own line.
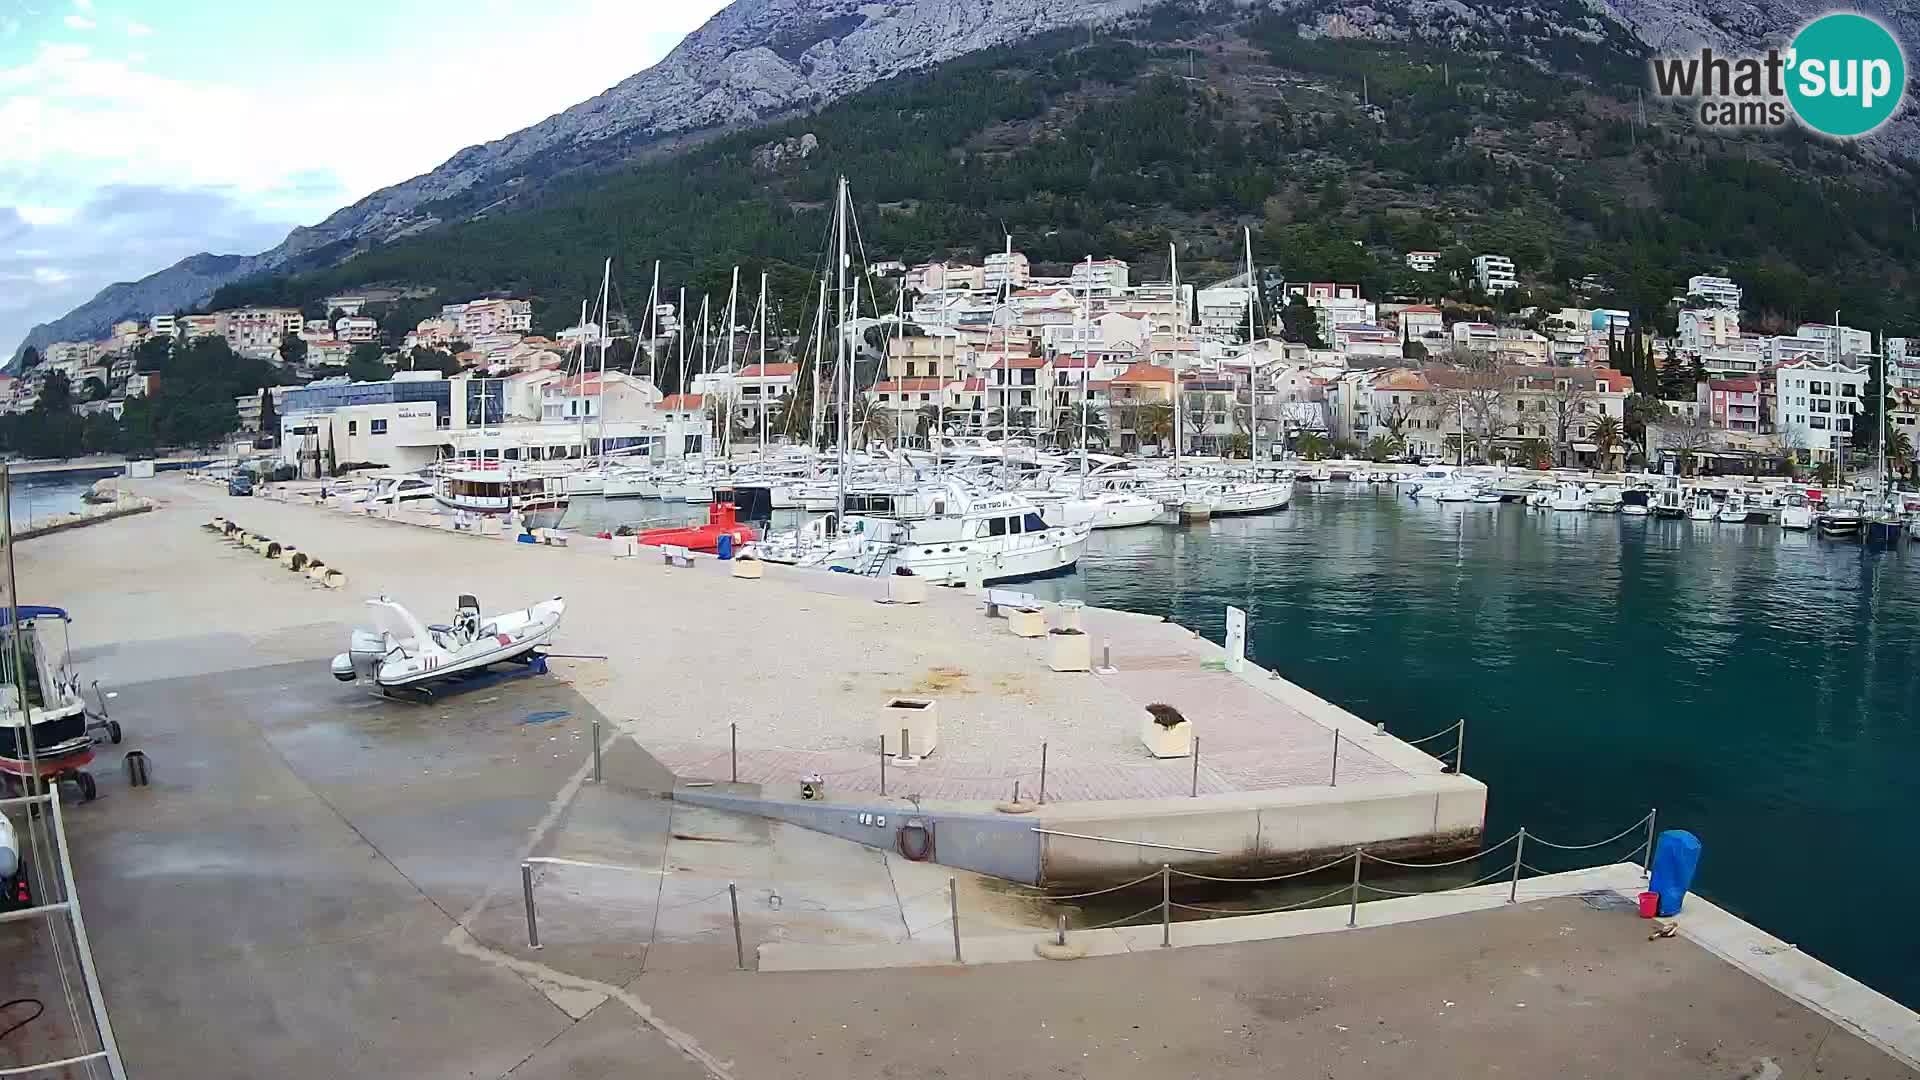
x=538, y=501
x=997, y=537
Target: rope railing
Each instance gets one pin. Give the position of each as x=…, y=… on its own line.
x=1097, y=892
x=1263, y=880
x=1342, y=890
x=1501, y=872
x=1481, y=854
x=1623, y=833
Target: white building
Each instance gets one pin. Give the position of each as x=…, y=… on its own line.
x=257, y=331
x=480, y=318
x=1814, y=404
x=1852, y=342
x=356, y=328
x=1494, y=273
x=1101, y=277
x=1425, y=262
x=162, y=326
x=1223, y=309
x=1716, y=292
x=345, y=305
x=1004, y=270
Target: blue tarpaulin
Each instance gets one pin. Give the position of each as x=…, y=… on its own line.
x=1675, y=857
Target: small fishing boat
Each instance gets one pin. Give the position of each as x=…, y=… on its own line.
x=46, y=735
x=401, y=653
x=1701, y=508
x=1570, y=497
x=1841, y=519
x=1670, y=502
x=1797, y=513
x=1636, y=501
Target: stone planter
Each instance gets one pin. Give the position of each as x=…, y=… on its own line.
x=906, y=589
x=1027, y=622
x=915, y=719
x=750, y=569
x=1166, y=742
x=1071, y=651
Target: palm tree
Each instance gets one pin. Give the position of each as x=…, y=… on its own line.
x=1156, y=424
x=1533, y=453
x=926, y=423
x=1900, y=449
x=1313, y=446
x=1606, y=435
x=1067, y=435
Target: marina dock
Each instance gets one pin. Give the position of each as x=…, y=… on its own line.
x=318, y=882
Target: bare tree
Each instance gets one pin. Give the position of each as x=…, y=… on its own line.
x=1477, y=405
x=1569, y=405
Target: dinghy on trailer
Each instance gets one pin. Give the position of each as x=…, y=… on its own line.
x=403, y=654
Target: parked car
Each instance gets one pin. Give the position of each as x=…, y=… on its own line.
x=240, y=483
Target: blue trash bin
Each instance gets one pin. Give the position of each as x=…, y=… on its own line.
x=1676, y=855
x=725, y=549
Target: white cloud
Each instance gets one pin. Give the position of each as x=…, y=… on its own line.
x=135, y=28
x=78, y=22
x=83, y=5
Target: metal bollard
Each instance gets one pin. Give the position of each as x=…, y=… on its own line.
x=1519, y=852
x=1043, y=772
x=953, y=909
x=1195, y=793
x=596, y=750
x=733, y=750
x=1106, y=656
x=1653, y=815
x=1334, y=780
x=739, y=947
x=1353, y=897
x=1060, y=932
x=1166, y=906
x=883, y=766
x=526, y=893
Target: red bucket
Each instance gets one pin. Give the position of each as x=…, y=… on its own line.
x=1649, y=904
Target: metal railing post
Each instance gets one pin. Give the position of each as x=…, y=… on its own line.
x=1195, y=793
x=1043, y=772
x=596, y=750
x=95, y=1000
x=526, y=894
x=1460, y=750
x=953, y=910
x=1166, y=905
x=1652, y=817
x=733, y=751
x=1519, y=852
x=883, y=766
x=1334, y=780
x=739, y=946
x=1353, y=894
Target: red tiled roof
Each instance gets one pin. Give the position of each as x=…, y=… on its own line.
x=755, y=371
x=1018, y=363
x=1073, y=362
x=974, y=385
x=1425, y=309
x=682, y=402
x=1144, y=373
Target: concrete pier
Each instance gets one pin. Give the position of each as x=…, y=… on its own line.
x=319, y=883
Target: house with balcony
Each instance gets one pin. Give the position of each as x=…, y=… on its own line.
x=1815, y=402
x=1734, y=405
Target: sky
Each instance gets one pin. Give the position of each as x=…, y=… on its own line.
x=134, y=133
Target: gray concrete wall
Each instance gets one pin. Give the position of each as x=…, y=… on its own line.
x=1000, y=845
x=1260, y=832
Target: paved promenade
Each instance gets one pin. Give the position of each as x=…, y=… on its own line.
x=321, y=884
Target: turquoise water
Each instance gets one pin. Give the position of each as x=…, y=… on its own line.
x=38, y=499
x=1757, y=687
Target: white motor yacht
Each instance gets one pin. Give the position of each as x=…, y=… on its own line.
x=539, y=501
x=1606, y=499
x=999, y=537
x=1570, y=497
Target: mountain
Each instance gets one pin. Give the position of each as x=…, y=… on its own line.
x=763, y=60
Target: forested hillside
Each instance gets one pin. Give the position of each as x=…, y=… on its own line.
x=1513, y=130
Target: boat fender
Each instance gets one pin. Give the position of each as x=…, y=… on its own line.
x=915, y=840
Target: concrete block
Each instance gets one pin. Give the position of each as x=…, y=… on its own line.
x=1166, y=742
x=1026, y=622
x=902, y=589
x=749, y=569
x=917, y=718
x=1071, y=651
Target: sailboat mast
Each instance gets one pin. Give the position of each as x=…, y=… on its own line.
x=733, y=322
x=819, y=358
x=840, y=343
x=1253, y=374
x=1086, y=372
x=680, y=340
x=606, y=335
x=763, y=364
x=1173, y=257
x=653, y=327
x=581, y=376
x=1006, y=365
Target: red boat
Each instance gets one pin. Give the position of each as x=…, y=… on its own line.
x=722, y=520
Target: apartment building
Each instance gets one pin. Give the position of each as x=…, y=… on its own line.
x=1099, y=277
x=1494, y=273
x=1423, y=262
x=1715, y=292
x=1005, y=270
x=1815, y=403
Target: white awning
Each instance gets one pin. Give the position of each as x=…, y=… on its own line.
x=1586, y=447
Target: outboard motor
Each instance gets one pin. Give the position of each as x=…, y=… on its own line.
x=362, y=659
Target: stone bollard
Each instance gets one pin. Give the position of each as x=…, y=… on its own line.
x=334, y=579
